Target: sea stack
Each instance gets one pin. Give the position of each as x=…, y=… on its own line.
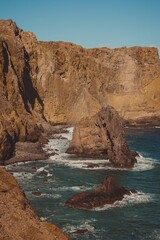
x=102, y=135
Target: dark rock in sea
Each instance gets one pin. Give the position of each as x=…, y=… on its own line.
x=81, y=231
x=107, y=193
x=92, y=165
x=102, y=135
x=37, y=193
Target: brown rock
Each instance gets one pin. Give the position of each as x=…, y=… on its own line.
x=82, y=80
x=20, y=103
x=54, y=80
x=81, y=231
x=37, y=193
x=102, y=136
x=107, y=193
x=18, y=220
x=27, y=151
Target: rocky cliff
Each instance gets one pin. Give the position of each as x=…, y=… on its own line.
x=21, y=108
x=54, y=80
x=60, y=77
x=68, y=77
x=59, y=82
x=18, y=221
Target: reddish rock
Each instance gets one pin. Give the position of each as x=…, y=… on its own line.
x=107, y=193
x=54, y=80
x=37, y=193
x=18, y=220
x=102, y=136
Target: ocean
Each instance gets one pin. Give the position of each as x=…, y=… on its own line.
x=136, y=217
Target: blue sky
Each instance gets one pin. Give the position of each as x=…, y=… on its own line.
x=90, y=23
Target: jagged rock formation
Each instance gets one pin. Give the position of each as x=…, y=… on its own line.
x=68, y=77
x=53, y=80
x=21, y=117
x=102, y=135
x=17, y=218
x=107, y=193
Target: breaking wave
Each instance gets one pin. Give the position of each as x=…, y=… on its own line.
x=86, y=225
x=134, y=198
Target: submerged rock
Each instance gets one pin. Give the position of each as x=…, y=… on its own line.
x=102, y=136
x=106, y=193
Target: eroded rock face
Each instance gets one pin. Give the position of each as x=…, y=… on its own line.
x=68, y=77
x=21, y=117
x=55, y=80
x=102, y=135
x=18, y=220
x=106, y=193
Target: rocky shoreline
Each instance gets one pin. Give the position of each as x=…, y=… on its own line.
x=18, y=220
x=43, y=83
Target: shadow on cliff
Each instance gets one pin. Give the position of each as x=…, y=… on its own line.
x=30, y=94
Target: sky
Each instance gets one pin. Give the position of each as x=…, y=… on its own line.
x=89, y=23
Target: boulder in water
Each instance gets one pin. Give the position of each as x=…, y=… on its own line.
x=107, y=193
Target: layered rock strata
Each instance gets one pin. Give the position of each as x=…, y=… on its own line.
x=107, y=193
x=102, y=135
x=17, y=218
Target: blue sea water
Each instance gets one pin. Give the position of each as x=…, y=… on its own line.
x=137, y=217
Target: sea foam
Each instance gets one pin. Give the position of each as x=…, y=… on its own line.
x=61, y=145
x=84, y=225
x=134, y=198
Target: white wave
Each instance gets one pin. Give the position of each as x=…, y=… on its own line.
x=60, y=145
x=49, y=175
x=134, y=198
x=84, y=225
x=49, y=195
x=156, y=235
x=83, y=163
x=75, y=188
x=43, y=219
x=144, y=164
x=69, y=134
x=42, y=169
x=20, y=175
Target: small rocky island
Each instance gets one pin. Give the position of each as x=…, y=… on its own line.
x=102, y=135
x=107, y=193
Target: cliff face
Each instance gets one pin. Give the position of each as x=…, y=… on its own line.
x=57, y=78
x=17, y=218
x=68, y=77
x=20, y=105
